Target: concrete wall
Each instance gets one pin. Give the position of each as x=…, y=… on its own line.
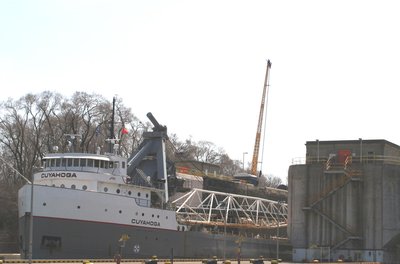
x=368, y=206
x=296, y=201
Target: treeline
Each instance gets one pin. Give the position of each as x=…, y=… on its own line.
x=35, y=124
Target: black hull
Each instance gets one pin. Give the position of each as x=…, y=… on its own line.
x=65, y=239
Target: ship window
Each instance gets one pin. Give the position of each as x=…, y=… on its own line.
x=152, y=215
x=96, y=163
x=52, y=162
x=183, y=228
x=106, y=165
x=79, y=207
x=69, y=162
x=105, y=189
x=73, y=186
x=58, y=162
x=63, y=162
x=138, y=194
x=120, y=211
x=44, y=204
x=147, y=195
x=142, y=214
x=158, y=216
x=116, y=163
x=118, y=190
x=76, y=162
x=166, y=217
x=51, y=242
x=123, y=164
x=111, y=164
x=62, y=185
x=102, y=164
x=84, y=187
x=90, y=163
x=129, y=192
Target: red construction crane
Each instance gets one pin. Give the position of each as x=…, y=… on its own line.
x=260, y=120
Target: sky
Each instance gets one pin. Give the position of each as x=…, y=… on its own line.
x=199, y=66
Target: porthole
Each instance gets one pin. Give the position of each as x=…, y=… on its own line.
x=118, y=190
x=105, y=210
x=79, y=207
x=152, y=215
x=44, y=204
x=142, y=214
x=147, y=195
x=73, y=186
x=138, y=194
x=158, y=216
x=105, y=189
x=129, y=192
x=166, y=217
x=120, y=211
x=84, y=187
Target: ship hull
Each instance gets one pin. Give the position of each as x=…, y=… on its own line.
x=64, y=239
x=81, y=224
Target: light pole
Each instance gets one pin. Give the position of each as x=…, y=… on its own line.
x=277, y=230
x=30, y=248
x=244, y=153
x=277, y=241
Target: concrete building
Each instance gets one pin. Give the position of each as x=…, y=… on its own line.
x=344, y=202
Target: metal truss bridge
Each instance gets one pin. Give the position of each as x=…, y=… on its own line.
x=211, y=208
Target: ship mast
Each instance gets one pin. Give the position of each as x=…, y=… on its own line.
x=259, y=126
x=112, y=135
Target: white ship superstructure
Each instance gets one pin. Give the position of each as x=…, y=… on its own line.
x=89, y=187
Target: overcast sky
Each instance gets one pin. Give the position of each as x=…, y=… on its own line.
x=199, y=66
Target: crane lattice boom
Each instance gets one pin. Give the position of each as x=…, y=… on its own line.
x=260, y=120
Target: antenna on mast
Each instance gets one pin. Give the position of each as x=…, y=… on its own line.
x=112, y=140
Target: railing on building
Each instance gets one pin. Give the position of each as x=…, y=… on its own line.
x=394, y=160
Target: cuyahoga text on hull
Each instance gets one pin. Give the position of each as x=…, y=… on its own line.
x=145, y=222
x=58, y=175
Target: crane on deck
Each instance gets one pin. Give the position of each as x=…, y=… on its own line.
x=260, y=121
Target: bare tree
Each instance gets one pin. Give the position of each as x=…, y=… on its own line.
x=270, y=181
x=229, y=167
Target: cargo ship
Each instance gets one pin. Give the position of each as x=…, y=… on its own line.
x=97, y=205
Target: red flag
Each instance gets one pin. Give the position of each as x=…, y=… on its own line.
x=124, y=131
